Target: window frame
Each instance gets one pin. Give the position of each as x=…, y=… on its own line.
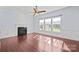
x=57, y=24
x=50, y=24
x=43, y=25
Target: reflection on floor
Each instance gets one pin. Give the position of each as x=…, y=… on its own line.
x=35, y=42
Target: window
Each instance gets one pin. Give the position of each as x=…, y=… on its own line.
x=41, y=23
x=51, y=24
x=48, y=24
x=56, y=24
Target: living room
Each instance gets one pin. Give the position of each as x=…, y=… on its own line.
x=40, y=26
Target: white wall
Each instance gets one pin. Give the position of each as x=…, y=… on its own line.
x=69, y=24
x=11, y=18
x=25, y=20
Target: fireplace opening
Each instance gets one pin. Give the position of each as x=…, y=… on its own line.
x=22, y=31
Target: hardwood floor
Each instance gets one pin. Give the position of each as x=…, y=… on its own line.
x=35, y=42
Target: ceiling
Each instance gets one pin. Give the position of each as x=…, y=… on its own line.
x=28, y=9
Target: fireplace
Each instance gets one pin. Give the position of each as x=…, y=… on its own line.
x=22, y=31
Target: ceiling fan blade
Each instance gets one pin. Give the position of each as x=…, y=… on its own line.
x=41, y=11
x=35, y=10
x=34, y=14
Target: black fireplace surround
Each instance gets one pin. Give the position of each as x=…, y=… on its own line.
x=22, y=31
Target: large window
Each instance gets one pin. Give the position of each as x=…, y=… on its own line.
x=41, y=23
x=56, y=24
x=48, y=24
x=51, y=24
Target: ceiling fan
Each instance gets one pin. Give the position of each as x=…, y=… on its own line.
x=37, y=11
